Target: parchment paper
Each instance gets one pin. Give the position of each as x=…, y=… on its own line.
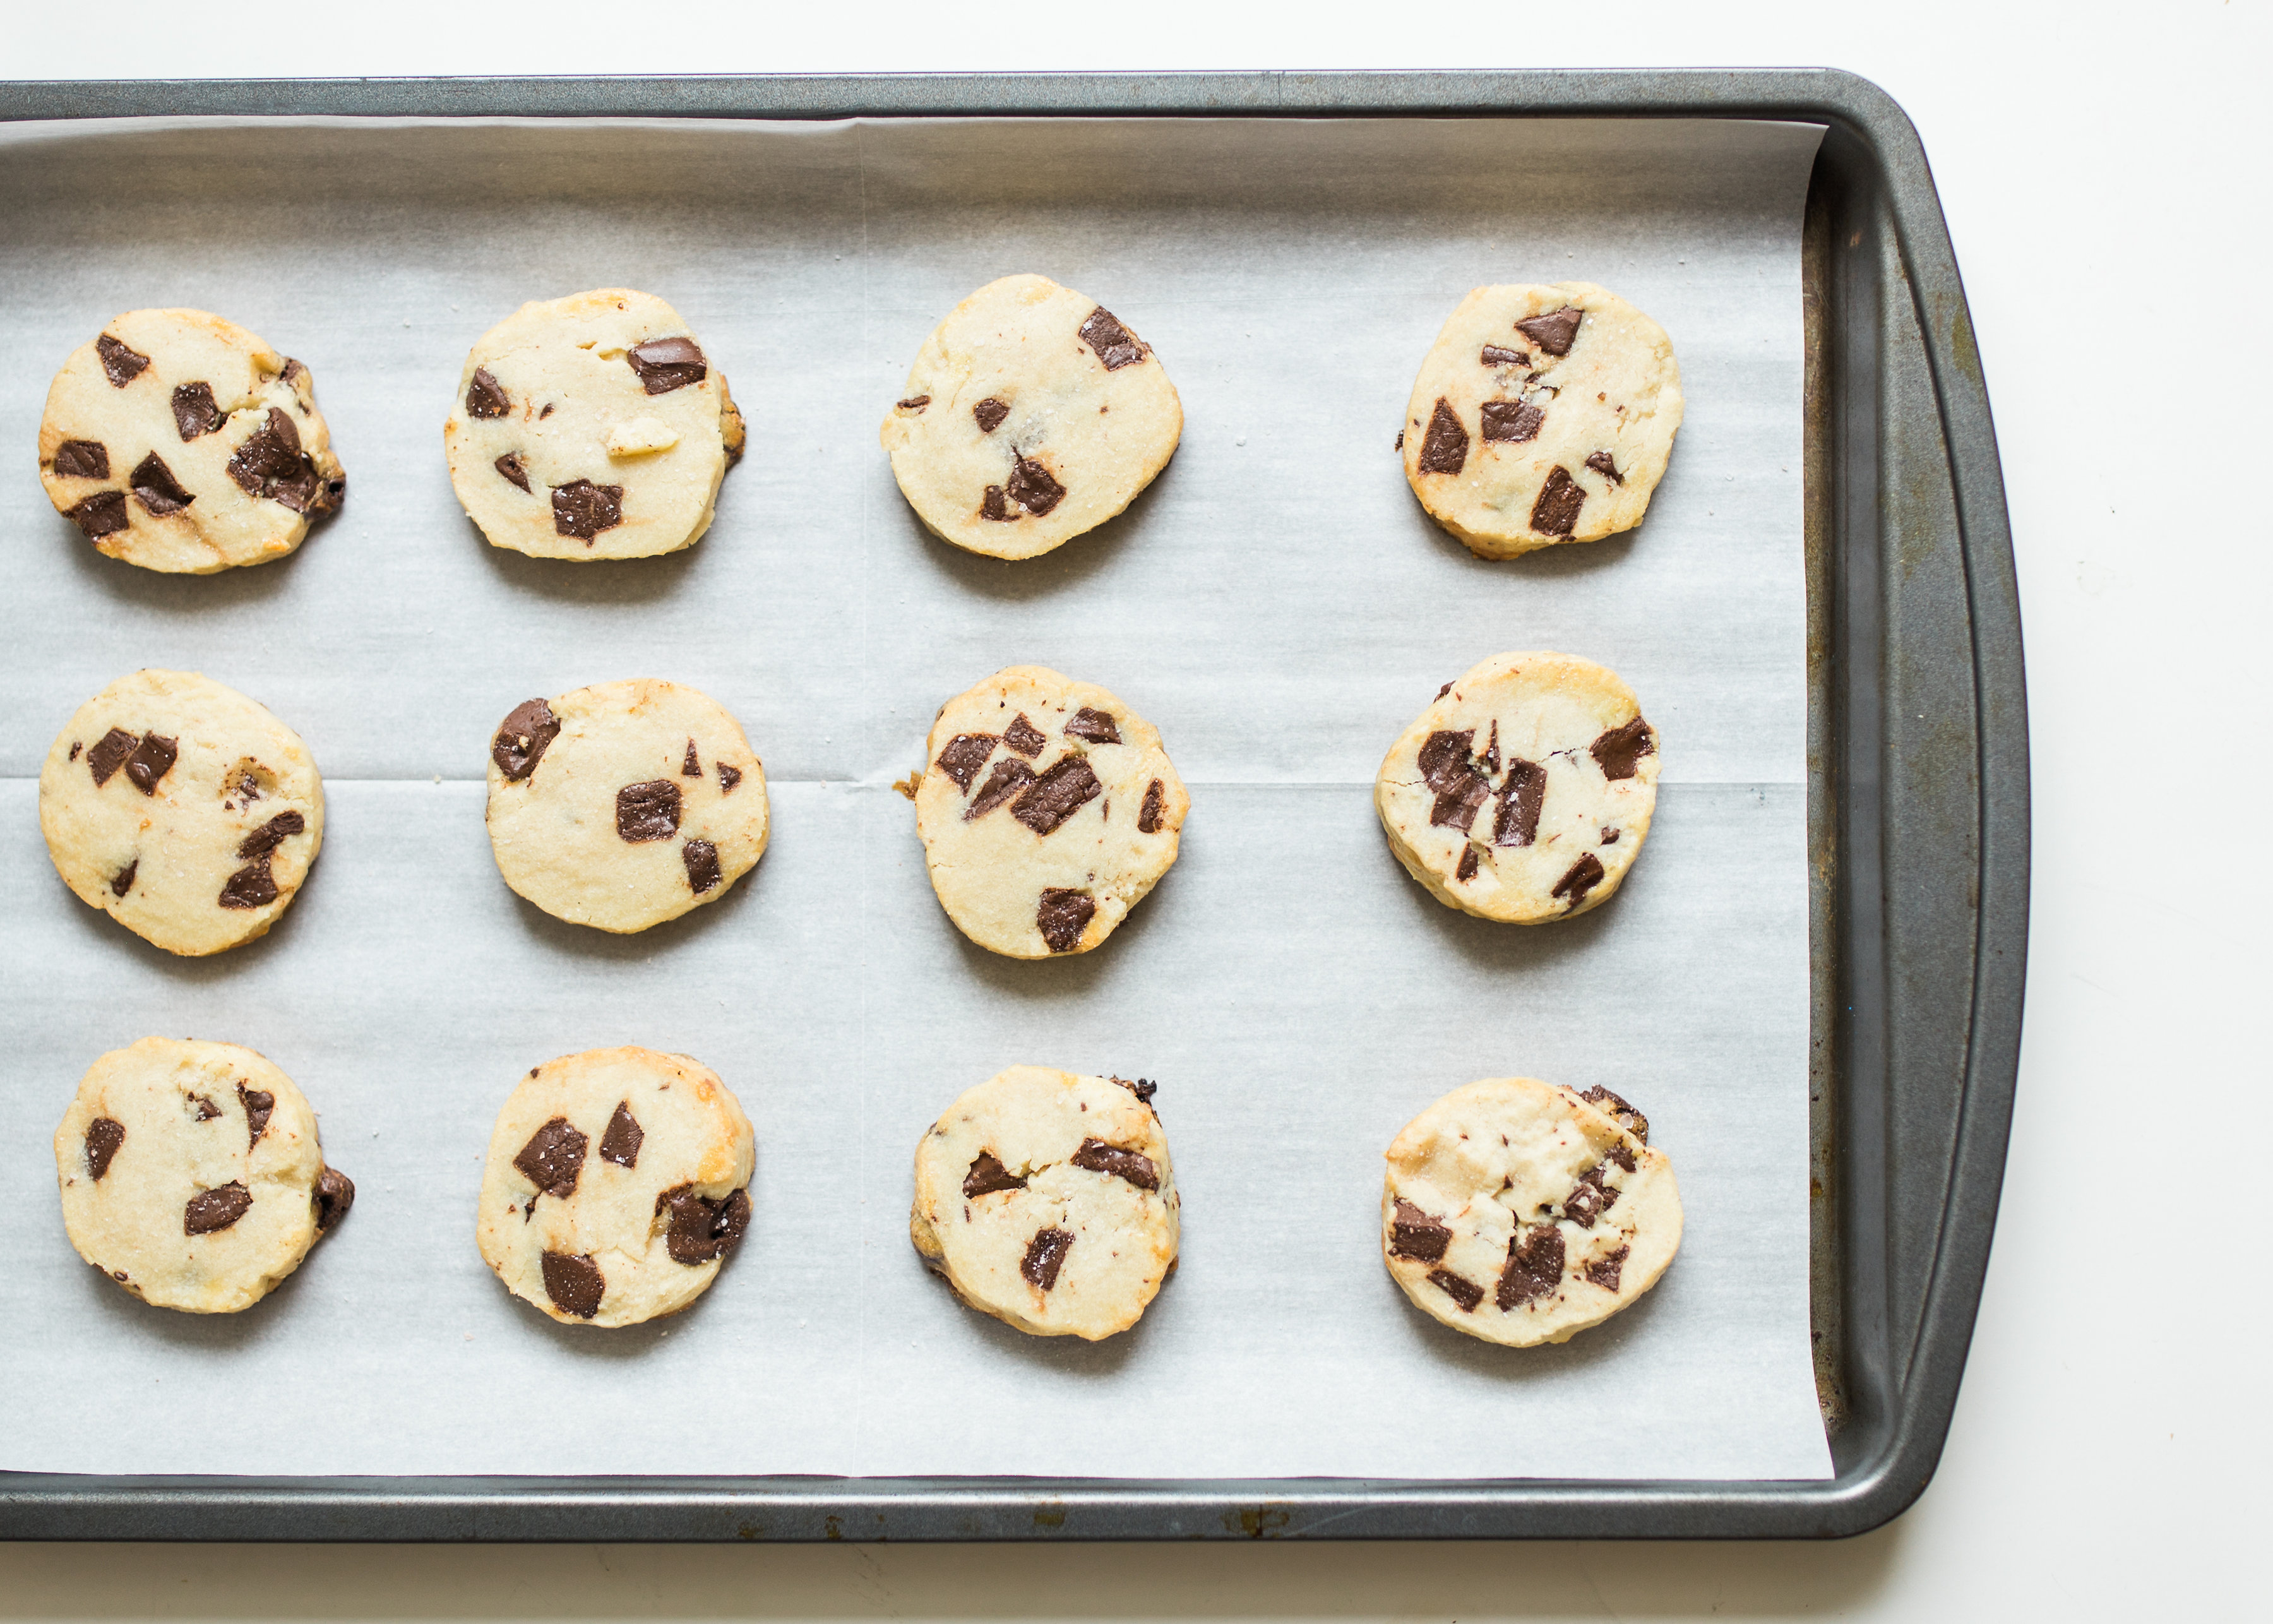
x=1277, y=604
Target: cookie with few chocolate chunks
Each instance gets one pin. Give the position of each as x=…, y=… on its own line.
x=180, y=442
x=1541, y=415
x=1524, y=792
x=1047, y=1200
x=191, y=1176
x=183, y=810
x=591, y=427
x=626, y=804
x=617, y=1184
x=1033, y=414
x=1521, y=1212
x=1048, y=810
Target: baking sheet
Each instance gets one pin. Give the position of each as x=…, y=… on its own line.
x=1277, y=605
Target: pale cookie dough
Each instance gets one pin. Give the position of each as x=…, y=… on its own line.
x=591, y=427
x=1541, y=415
x=191, y=1173
x=618, y=1181
x=624, y=805
x=183, y=810
x=1047, y=1200
x=1048, y=810
x=1031, y=415
x=1524, y=792
x=1521, y=1212
x=180, y=442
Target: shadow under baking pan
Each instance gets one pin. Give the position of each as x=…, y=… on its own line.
x=1022, y=579
x=168, y=593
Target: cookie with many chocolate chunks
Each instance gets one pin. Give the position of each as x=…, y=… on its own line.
x=180, y=442
x=183, y=810
x=191, y=1176
x=1520, y=1212
x=617, y=1184
x=1033, y=414
x=624, y=805
x=1524, y=792
x=1048, y=810
x=1047, y=1200
x=591, y=427
x=1541, y=415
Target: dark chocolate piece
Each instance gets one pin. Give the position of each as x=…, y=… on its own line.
x=620, y=1144
x=575, y=1284
x=1466, y=871
x=1617, y=750
x=293, y=373
x=1590, y=1197
x=195, y=410
x=1631, y=1120
x=253, y=886
x=511, y=466
x=1499, y=355
x=1584, y=876
x=83, y=459
x=1097, y=726
x=259, y=1105
x=1534, y=1266
x=1118, y=1162
x=1415, y=1234
x=988, y=1176
x=1446, y=450
x=702, y=870
x=104, y=1136
x=1144, y=1088
x=123, y=882
x=521, y=738
x=1622, y=1156
x=1116, y=345
x=582, y=509
x=1023, y=737
x=207, y=1110
x=120, y=364
x=211, y=1210
x=153, y=759
x=1148, y=815
x=1447, y=768
x=553, y=1159
x=1399, y=444
x=485, y=396
x=1062, y=915
x=915, y=404
x=648, y=811
x=990, y=505
x=965, y=755
x=334, y=1195
x=1521, y=794
x=1605, y=1270
x=703, y=1228
x=691, y=767
x=728, y=777
x=272, y=834
x=1467, y=1293
x=1600, y=463
x=270, y=464
x=101, y=514
x=1031, y=487
x=667, y=364
x=1007, y=780
x=1046, y=1254
x=1556, y=513
x=1609, y=835
x=990, y=413
x=1512, y=421
x=109, y=753
x=156, y=488
x=1554, y=331
x=1050, y=800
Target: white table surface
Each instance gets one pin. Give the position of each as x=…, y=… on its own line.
x=2105, y=184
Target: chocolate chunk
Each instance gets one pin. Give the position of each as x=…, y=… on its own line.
x=667, y=364
x=1144, y=1088
x=1097, y=726
x=702, y=870
x=1618, y=1111
x=1555, y=332
x=1605, y=1270
x=1468, y=865
x=1415, y=1234
x=1057, y=795
x=1460, y=789
x=211, y=1210
x=1023, y=737
x=195, y=412
x=691, y=767
x=1600, y=463
x=103, y=1138
x=1534, y=1266
x=1521, y=794
x=1624, y=1157
x=485, y=396
x=1031, y=486
x=101, y=514
x=272, y=834
x=990, y=505
x=1008, y=779
x=109, y=753
x=582, y=509
x=620, y=1144
x=1446, y=450
x=207, y=1110
x=269, y=463
x=915, y=404
x=648, y=811
x=522, y=737
x=83, y=459
x=1590, y=1197
x=510, y=466
x=259, y=1105
x=1609, y=835
x=1491, y=751
x=253, y=886
x=1119, y=1162
x=965, y=755
x=156, y=488
x=153, y=759
x=1116, y=345
x=1499, y=355
x=1046, y=1254
x=990, y=413
x=120, y=364
x=728, y=777
x=553, y=1159
x=1399, y=444
x=1467, y=1293
x=575, y=1284
x=701, y=1229
x=1512, y=421
x=1556, y=513
x=1062, y=916
x=1617, y=750
x=123, y=882
x=989, y=1177
x=1148, y=815
x=1584, y=876
x=293, y=371
x=335, y=1194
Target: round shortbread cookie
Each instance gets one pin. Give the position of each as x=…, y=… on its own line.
x=1047, y=1200
x=1541, y=415
x=180, y=442
x=591, y=427
x=624, y=805
x=1524, y=792
x=191, y=1173
x=1521, y=1212
x=1031, y=415
x=617, y=1182
x=183, y=810
x=1048, y=810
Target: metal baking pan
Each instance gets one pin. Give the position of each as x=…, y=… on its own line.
x=1918, y=820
